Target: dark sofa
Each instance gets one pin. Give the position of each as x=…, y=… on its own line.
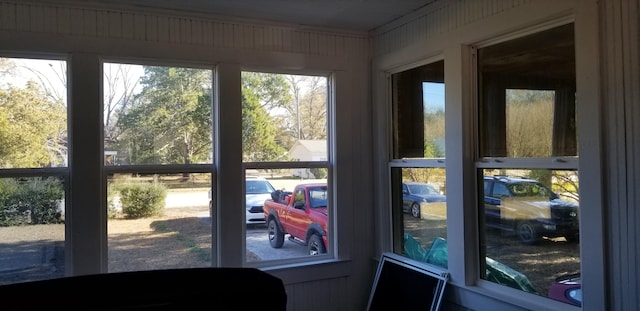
x=173, y=289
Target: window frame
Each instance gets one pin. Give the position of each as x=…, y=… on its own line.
x=394, y=222
x=586, y=112
x=333, y=247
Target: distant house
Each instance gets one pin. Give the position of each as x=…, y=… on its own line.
x=307, y=150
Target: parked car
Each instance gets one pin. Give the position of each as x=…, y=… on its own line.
x=415, y=193
x=567, y=288
x=257, y=190
x=529, y=209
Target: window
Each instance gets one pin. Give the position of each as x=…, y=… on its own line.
x=33, y=168
x=158, y=163
x=418, y=178
x=286, y=141
x=527, y=169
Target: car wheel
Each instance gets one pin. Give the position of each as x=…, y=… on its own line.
x=415, y=209
x=316, y=245
x=527, y=233
x=276, y=236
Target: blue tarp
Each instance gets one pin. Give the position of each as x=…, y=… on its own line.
x=437, y=255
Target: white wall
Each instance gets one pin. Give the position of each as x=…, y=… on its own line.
x=85, y=34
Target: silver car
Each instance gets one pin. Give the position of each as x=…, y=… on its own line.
x=257, y=190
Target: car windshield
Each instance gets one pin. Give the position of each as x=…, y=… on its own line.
x=258, y=186
x=422, y=189
x=529, y=189
x=318, y=197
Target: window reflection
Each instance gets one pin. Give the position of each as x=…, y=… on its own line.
x=418, y=112
x=531, y=227
x=420, y=212
x=529, y=210
x=527, y=96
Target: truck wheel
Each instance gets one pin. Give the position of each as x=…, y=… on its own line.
x=527, y=233
x=316, y=245
x=276, y=236
x=415, y=210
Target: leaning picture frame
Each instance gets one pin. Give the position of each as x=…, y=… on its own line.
x=405, y=284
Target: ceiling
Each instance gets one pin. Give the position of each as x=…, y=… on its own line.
x=351, y=15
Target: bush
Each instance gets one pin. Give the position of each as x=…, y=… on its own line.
x=319, y=173
x=142, y=200
x=30, y=201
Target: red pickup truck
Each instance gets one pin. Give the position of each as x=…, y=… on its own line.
x=302, y=214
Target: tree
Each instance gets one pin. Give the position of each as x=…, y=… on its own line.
x=262, y=93
x=120, y=86
x=169, y=121
x=308, y=110
x=529, y=123
x=32, y=128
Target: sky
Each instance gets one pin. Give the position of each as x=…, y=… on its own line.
x=433, y=96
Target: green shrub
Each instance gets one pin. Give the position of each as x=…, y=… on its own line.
x=30, y=201
x=142, y=200
x=319, y=173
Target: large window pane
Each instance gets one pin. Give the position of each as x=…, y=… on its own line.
x=158, y=162
x=420, y=214
x=33, y=159
x=157, y=115
x=265, y=229
x=32, y=231
x=33, y=113
x=418, y=181
x=284, y=118
x=285, y=143
x=418, y=112
x=158, y=221
x=529, y=215
x=527, y=96
x=531, y=229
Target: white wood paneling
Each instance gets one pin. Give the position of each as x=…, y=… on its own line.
x=437, y=19
x=99, y=22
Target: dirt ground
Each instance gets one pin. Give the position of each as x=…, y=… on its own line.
x=178, y=239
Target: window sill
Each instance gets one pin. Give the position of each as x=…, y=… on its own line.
x=310, y=271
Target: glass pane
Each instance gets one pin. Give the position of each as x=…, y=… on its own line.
x=33, y=113
x=527, y=96
x=158, y=221
x=418, y=112
x=157, y=115
x=531, y=230
x=305, y=201
x=32, y=230
x=420, y=214
x=284, y=117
